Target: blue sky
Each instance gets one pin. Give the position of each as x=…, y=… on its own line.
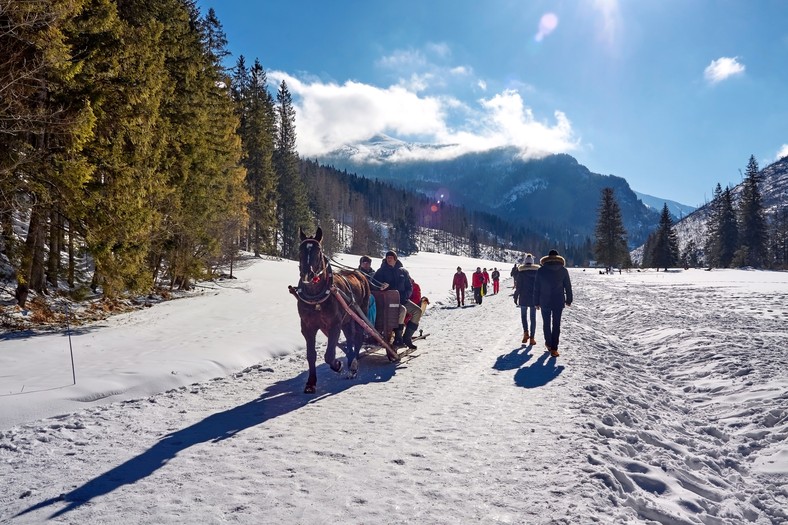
x=672, y=95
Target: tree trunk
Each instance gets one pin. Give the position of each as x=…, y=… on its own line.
x=53, y=261
x=30, y=273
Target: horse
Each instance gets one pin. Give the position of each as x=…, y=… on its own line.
x=320, y=309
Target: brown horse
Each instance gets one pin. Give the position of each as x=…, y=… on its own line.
x=320, y=310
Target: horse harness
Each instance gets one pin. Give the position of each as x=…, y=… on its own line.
x=316, y=299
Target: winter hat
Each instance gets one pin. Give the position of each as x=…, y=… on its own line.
x=529, y=259
x=391, y=253
x=365, y=258
x=459, y=269
x=552, y=253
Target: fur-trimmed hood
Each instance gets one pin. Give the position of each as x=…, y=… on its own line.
x=552, y=259
x=526, y=267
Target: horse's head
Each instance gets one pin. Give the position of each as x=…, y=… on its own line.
x=311, y=263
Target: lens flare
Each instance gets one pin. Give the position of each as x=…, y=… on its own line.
x=547, y=25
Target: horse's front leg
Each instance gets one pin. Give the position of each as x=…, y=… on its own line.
x=355, y=338
x=331, y=348
x=311, y=358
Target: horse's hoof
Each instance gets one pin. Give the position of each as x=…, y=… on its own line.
x=336, y=366
x=310, y=389
x=354, y=367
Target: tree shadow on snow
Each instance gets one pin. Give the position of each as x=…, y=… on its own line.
x=513, y=359
x=278, y=399
x=541, y=372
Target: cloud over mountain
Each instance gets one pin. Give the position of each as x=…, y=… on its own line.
x=330, y=114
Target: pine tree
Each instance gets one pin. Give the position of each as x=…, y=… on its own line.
x=728, y=230
x=129, y=82
x=752, y=221
x=610, y=246
x=778, y=240
x=258, y=130
x=293, y=210
x=665, y=247
x=42, y=131
x=712, y=245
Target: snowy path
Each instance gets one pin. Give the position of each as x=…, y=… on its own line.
x=628, y=425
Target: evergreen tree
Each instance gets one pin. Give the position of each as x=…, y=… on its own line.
x=728, y=230
x=778, y=240
x=752, y=221
x=665, y=247
x=610, y=246
x=691, y=255
x=42, y=131
x=712, y=245
x=120, y=200
x=258, y=130
x=293, y=210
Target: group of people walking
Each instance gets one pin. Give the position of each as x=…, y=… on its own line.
x=545, y=286
x=479, y=281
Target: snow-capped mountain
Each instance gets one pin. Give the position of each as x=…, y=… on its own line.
x=553, y=194
x=676, y=209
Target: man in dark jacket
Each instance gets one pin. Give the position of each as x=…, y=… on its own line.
x=525, y=279
x=393, y=276
x=552, y=290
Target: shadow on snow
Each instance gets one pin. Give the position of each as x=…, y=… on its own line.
x=541, y=372
x=514, y=359
x=278, y=399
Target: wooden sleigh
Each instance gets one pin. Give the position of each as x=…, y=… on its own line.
x=386, y=321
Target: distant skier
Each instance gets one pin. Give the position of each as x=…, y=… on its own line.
x=524, y=297
x=552, y=290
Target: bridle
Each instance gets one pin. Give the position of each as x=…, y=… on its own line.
x=315, y=284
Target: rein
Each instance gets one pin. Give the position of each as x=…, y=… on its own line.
x=369, y=278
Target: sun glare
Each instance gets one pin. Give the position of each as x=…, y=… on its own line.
x=547, y=25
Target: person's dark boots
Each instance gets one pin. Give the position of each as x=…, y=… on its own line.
x=407, y=338
x=398, y=336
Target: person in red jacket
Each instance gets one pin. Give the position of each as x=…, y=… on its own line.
x=477, y=283
x=415, y=297
x=460, y=283
x=486, y=281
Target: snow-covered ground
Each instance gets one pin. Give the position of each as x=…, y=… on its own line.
x=668, y=404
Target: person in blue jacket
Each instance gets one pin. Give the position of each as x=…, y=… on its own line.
x=552, y=291
x=365, y=267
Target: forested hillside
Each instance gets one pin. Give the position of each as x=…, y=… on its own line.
x=131, y=156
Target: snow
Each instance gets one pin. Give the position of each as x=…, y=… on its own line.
x=668, y=404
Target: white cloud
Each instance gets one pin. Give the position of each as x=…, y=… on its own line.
x=482, y=85
x=783, y=152
x=722, y=68
x=330, y=115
